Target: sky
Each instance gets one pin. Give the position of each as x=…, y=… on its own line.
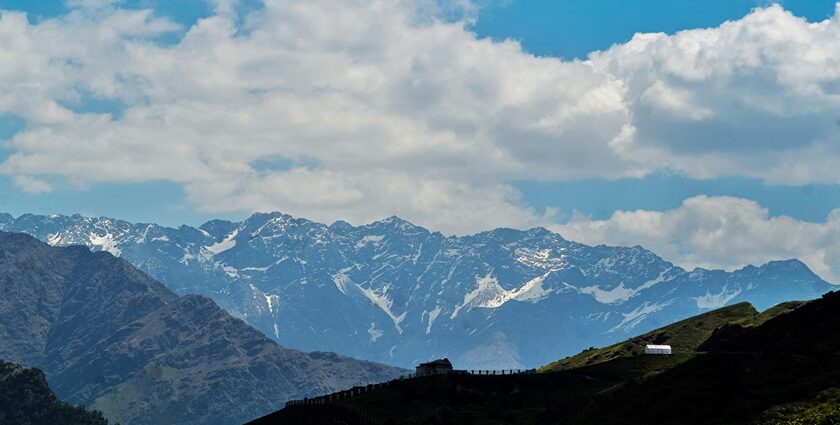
x=708, y=131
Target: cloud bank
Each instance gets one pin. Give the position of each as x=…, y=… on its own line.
x=358, y=109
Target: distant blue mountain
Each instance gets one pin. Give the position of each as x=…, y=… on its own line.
x=397, y=293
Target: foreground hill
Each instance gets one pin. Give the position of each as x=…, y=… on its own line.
x=773, y=368
x=399, y=294
x=685, y=336
x=26, y=399
x=110, y=337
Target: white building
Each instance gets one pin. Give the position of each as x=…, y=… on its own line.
x=657, y=349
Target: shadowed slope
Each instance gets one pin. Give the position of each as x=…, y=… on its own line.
x=110, y=337
x=26, y=399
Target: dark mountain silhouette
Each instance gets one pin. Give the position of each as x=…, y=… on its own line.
x=781, y=366
x=110, y=337
x=26, y=399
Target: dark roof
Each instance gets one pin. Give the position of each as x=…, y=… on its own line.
x=438, y=362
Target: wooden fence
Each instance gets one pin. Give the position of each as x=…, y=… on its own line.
x=337, y=397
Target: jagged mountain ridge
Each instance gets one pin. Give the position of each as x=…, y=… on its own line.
x=394, y=292
x=110, y=337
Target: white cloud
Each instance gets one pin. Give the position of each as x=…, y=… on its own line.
x=756, y=97
x=375, y=107
x=392, y=114
x=718, y=232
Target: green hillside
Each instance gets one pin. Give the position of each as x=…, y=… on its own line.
x=824, y=409
x=790, y=359
x=683, y=337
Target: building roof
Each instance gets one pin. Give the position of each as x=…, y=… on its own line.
x=661, y=347
x=438, y=363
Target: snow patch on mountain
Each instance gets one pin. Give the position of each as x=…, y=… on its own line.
x=271, y=300
x=602, y=316
x=489, y=294
x=341, y=280
x=232, y=272
x=712, y=301
x=653, y=282
x=227, y=243
x=54, y=239
x=374, y=332
x=255, y=269
x=632, y=319
x=106, y=242
x=264, y=300
x=374, y=239
x=381, y=299
x=187, y=258
x=541, y=258
x=621, y=293
x=617, y=295
x=532, y=291
x=432, y=315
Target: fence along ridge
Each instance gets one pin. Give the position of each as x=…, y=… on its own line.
x=336, y=397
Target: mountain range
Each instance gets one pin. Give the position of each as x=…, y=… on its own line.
x=396, y=293
x=110, y=337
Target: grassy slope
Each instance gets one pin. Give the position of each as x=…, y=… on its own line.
x=791, y=358
x=824, y=409
x=772, y=312
x=683, y=336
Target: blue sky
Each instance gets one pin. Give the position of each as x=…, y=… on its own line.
x=567, y=29
x=572, y=29
x=711, y=138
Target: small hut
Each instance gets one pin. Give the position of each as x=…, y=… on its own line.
x=658, y=349
x=435, y=367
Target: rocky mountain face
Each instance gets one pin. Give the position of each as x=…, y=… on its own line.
x=112, y=338
x=397, y=293
x=26, y=399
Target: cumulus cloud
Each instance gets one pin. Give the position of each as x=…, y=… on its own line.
x=718, y=232
x=755, y=97
x=357, y=109
x=376, y=111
